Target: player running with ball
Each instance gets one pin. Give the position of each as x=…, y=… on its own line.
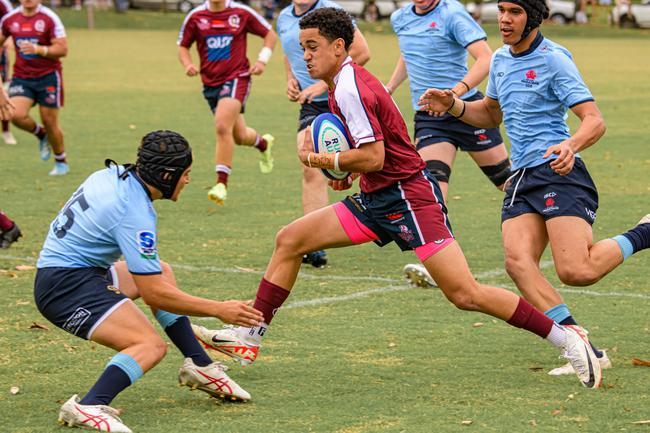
x=399, y=201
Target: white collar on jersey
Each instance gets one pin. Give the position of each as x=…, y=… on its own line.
x=347, y=61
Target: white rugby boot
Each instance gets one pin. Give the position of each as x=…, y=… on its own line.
x=211, y=379
x=418, y=276
x=44, y=148
x=60, y=169
x=567, y=368
x=9, y=138
x=218, y=193
x=92, y=417
x=227, y=341
x=578, y=352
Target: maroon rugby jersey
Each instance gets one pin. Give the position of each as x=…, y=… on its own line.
x=221, y=39
x=40, y=29
x=370, y=114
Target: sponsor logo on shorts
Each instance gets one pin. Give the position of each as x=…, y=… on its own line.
x=482, y=137
x=234, y=21
x=113, y=289
x=549, y=202
x=591, y=214
x=146, y=241
x=17, y=89
x=439, y=241
x=76, y=320
x=395, y=216
x=405, y=233
x=225, y=90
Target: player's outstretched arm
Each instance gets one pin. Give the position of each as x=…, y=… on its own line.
x=485, y=113
x=161, y=295
x=399, y=75
x=359, y=50
x=186, y=60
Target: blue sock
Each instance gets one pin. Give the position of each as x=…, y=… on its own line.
x=121, y=371
x=179, y=331
x=561, y=314
x=634, y=240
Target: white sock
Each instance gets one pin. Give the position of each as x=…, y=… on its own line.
x=253, y=335
x=557, y=336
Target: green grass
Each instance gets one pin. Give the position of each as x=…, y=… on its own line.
x=403, y=361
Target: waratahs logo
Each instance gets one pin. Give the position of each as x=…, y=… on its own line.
x=218, y=47
x=531, y=75
x=147, y=244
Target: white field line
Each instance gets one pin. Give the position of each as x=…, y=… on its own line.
x=376, y=291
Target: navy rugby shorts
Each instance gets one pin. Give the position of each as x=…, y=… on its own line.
x=77, y=300
x=309, y=111
x=46, y=91
x=431, y=130
x=237, y=88
x=542, y=191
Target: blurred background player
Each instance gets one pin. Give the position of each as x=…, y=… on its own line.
x=9, y=231
x=434, y=39
x=220, y=29
x=551, y=197
x=394, y=181
x=40, y=41
x=7, y=136
x=312, y=96
x=81, y=288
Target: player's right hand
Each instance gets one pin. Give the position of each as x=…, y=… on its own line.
x=342, y=185
x=191, y=70
x=293, y=89
x=239, y=313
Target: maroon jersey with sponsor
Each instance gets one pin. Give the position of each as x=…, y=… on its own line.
x=40, y=29
x=221, y=39
x=370, y=114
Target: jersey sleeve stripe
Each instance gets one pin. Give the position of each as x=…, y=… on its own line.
x=187, y=19
x=476, y=40
x=582, y=102
x=59, y=30
x=349, y=101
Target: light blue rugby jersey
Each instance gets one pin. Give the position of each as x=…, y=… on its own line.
x=535, y=88
x=289, y=32
x=105, y=218
x=434, y=45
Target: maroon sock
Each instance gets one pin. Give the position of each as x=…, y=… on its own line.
x=222, y=177
x=528, y=317
x=5, y=222
x=269, y=299
x=5, y=126
x=260, y=143
x=39, y=131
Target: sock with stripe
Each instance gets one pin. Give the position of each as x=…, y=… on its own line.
x=223, y=171
x=39, y=131
x=260, y=143
x=179, y=331
x=121, y=371
x=561, y=314
x=634, y=240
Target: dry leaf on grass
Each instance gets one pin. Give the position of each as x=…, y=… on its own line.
x=640, y=362
x=14, y=390
x=69, y=348
x=644, y=422
x=35, y=325
x=25, y=268
x=466, y=422
x=478, y=324
x=555, y=411
x=21, y=302
x=244, y=269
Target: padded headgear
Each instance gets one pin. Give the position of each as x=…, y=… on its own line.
x=536, y=12
x=163, y=157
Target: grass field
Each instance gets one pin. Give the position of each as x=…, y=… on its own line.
x=369, y=354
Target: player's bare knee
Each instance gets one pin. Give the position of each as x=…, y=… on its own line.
x=287, y=242
x=578, y=275
x=157, y=348
x=224, y=130
x=462, y=296
x=516, y=266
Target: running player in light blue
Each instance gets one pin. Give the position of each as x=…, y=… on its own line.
x=311, y=94
x=82, y=288
x=551, y=197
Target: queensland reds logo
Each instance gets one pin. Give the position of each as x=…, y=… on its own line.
x=39, y=26
x=531, y=75
x=233, y=20
x=405, y=233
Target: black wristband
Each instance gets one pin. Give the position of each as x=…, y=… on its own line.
x=466, y=85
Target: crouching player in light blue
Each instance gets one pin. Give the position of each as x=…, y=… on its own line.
x=551, y=197
x=82, y=288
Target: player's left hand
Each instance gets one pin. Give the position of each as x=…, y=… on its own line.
x=308, y=95
x=27, y=48
x=306, y=147
x=566, y=157
x=436, y=101
x=258, y=68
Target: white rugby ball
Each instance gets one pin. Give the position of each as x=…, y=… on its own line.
x=329, y=135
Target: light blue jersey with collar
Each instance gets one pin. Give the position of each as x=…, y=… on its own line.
x=434, y=45
x=535, y=89
x=105, y=218
x=289, y=32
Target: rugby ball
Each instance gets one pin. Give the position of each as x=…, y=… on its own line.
x=329, y=136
